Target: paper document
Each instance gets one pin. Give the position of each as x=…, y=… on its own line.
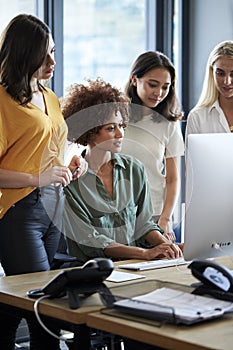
x=117, y=276
x=175, y=306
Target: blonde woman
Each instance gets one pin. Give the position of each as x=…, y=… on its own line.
x=213, y=112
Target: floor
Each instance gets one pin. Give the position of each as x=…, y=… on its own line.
x=25, y=346
x=99, y=342
x=22, y=338
x=1, y=271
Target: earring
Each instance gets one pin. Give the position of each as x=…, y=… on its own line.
x=133, y=81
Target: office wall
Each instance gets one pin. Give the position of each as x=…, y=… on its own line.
x=211, y=21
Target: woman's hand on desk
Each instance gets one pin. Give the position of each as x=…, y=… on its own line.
x=167, y=250
x=162, y=247
x=170, y=236
x=118, y=250
x=166, y=225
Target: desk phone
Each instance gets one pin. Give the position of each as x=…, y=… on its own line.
x=77, y=281
x=217, y=279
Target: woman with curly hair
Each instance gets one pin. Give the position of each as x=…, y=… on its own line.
x=108, y=211
x=154, y=134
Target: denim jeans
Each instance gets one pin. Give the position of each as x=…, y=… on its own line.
x=29, y=236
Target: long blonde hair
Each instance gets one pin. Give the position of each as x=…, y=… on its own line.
x=209, y=92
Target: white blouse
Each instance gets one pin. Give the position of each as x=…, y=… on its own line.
x=151, y=142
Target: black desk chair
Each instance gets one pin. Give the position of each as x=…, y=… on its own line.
x=63, y=260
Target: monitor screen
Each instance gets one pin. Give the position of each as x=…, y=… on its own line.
x=208, y=226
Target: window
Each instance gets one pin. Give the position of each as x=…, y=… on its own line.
x=15, y=7
x=102, y=38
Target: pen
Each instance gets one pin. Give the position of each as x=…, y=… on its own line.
x=76, y=171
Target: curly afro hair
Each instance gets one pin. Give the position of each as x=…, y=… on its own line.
x=87, y=108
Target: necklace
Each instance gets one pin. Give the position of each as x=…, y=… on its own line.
x=104, y=170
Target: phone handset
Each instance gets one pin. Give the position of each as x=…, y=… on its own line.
x=78, y=281
x=216, y=278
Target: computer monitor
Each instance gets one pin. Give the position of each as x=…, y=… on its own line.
x=208, y=226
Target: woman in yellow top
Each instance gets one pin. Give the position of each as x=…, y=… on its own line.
x=32, y=173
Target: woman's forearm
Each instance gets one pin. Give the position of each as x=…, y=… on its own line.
x=16, y=179
x=121, y=251
x=172, y=187
x=164, y=248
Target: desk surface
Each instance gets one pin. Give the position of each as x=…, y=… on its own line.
x=13, y=291
x=213, y=335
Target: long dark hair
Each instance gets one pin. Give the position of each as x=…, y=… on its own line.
x=23, y=48
x=170, y=107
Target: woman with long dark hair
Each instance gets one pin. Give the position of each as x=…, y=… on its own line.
x=32, y=173
x=153, y=134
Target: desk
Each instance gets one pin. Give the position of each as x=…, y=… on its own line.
x=13, y=291
x=213, y=335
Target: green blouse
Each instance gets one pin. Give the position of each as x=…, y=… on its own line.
x=93, y=220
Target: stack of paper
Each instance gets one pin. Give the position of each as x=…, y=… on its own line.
x=174, y=306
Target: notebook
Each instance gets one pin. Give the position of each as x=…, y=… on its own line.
x=174, y=306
